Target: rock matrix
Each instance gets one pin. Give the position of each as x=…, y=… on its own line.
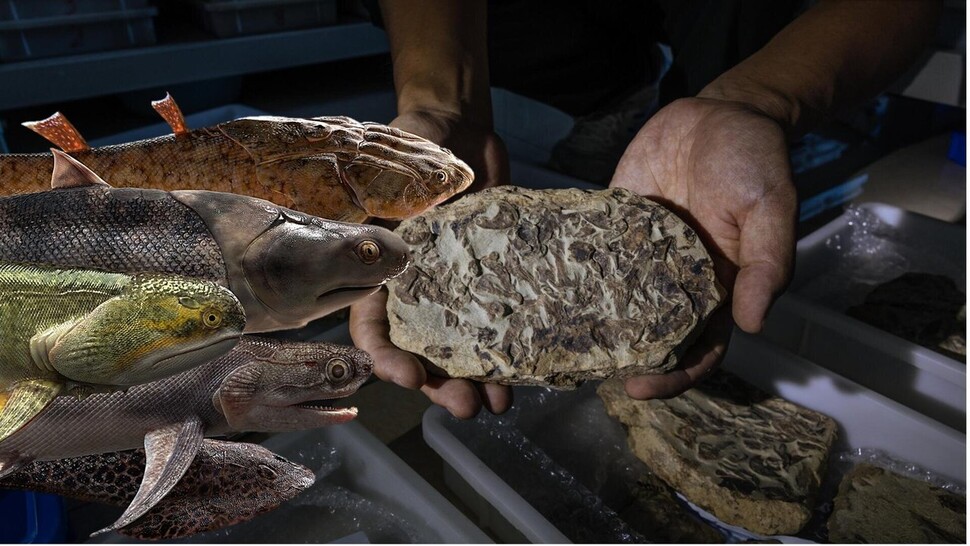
x=551, y=287
x=751, y=459
x=877, y=506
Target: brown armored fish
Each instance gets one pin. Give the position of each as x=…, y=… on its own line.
x=331, y=167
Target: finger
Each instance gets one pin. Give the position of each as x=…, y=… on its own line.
x=370, y=330
x=496, y=398
x=700, y=359
x=458, y=396
x=765, y=257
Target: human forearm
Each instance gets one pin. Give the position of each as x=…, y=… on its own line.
x=833, y=56
x=440, y=57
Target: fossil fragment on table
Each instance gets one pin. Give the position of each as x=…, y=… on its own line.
x=877, y=506
x=551, y=287
x=655, y=513
x=751, y=459
x=924, y=308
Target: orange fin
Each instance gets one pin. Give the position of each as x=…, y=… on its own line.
x=171, y=113
x=59, y=132
x=71, y=173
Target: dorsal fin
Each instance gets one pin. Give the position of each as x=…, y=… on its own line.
x=60, y=132
x=71, y=173
x=171, y=113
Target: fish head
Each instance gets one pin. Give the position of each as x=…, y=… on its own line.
x=396, y=175
x=308, y=268
x=289, y=268
x=288, y=385
x=158, y=326
x=388, y=173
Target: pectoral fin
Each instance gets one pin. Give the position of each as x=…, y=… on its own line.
x=169, y=452
x=171, y=113
x=60, y=132
x=25, y=400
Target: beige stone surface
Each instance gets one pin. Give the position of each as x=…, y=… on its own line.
x=877, y=506
x=751, y=459
x=551, y=287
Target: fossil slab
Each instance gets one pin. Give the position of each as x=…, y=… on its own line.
x=924, y=308
x=655, y=513
x=551, y=287
x=751, y=459
x=877, y=506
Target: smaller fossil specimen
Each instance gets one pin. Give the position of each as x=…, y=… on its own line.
x=655, y=513
x=751, y=459
x=924, y=308
x=551, y=287
x=876, y=506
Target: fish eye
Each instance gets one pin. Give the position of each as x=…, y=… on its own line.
x=368, y=251
x=338, y=370
x=266, y=472
x=211, y=318
x=441, y=176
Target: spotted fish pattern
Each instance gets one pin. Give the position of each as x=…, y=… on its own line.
x=227, y=483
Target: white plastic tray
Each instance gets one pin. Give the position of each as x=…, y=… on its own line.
x=918, y=377
x=866, y=420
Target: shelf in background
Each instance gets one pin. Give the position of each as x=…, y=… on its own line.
x=74, y=77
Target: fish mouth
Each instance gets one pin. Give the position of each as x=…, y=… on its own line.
x=325, y=408
x=353, y=292
x=221, y=345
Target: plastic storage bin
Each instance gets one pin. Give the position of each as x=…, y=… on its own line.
x=916, y=376
x=866, y=420
x=228, y=18
x=30, y=517
x=79, y=33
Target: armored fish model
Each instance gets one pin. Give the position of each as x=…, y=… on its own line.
x=67, y=331
x=263, y=385
x=287, y=268
x=331, y=167
x=227, y=483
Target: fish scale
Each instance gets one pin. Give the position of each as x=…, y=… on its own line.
x=132, y=231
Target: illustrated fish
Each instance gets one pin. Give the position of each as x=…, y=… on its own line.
x=69, y=331
x=227, y=483
x=331, y=167
x=262, y=385
x=287, y=268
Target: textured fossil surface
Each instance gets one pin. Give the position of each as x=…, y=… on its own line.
x=656, y=513
x=924, y=308
x=877, y=506
x=551, y=287
x=751, y=459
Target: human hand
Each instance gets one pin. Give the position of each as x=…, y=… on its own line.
x=476, y=145
x=723, y=167
x=485, y=153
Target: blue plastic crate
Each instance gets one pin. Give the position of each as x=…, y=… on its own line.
x=958, y=148
x=30, y=517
